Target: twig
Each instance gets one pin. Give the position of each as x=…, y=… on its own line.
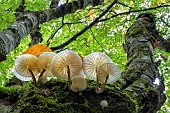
x=165, y=22
x=124, y=5
x=132, y=11
x=52, y=36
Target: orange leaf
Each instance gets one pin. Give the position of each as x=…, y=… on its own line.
x=156, y=44
x=37, y=49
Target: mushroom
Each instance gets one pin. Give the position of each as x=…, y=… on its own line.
x=78, y=83
x=104, y=104
x=25, y=67
x=66, y=64
x=108, y=73
x=91, y=64
x=43, y=66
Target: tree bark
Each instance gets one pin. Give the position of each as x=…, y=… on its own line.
x=11, y=37
x=141, y=69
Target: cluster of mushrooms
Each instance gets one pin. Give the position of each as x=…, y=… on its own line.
x=67, y=65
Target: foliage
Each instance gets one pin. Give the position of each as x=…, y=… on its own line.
x=106, y=36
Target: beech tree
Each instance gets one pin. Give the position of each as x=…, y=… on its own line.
x=134, y=29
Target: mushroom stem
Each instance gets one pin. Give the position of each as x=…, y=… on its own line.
x=97, y=84
x=33, y=77
x=69, y=78
x=42, y=73
x=104, y=84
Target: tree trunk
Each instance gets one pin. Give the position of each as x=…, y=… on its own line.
x=141, y=69
x=27, y=22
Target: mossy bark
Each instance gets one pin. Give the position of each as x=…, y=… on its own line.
x=141, y=69
x=53, y=97
x=135, y=92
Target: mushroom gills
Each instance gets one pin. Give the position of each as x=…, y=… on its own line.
x=25, y=67
x=66, y=64
x=108, y=73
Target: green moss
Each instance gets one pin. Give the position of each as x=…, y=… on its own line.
x=54, y=96
x=138, y=27
x=116, y=86
x=133, y=99
x=11, y=93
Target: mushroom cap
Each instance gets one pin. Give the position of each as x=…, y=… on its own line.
x=78, y=84
x=37, y=49
x=104, y=103
x=109, y=69
x=44, y=61
x=63, y=59
x=22, y=65
x=81, y=73
x=92, y=62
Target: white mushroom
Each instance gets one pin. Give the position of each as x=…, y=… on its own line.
x=66, y=64
x=108, y=73
x=25, y=67
x=43, y=66
x=78, y=84
x=104, y=104
x=91, y=64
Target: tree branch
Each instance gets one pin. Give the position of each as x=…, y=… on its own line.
x=124, y=5
x=85, y=29
x=67, y=8
x=133, y=11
